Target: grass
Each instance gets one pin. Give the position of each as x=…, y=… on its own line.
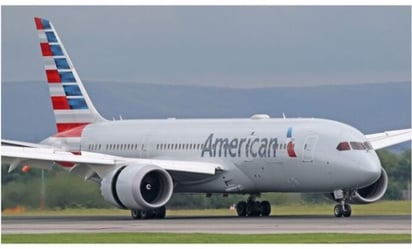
x=378, y=208
x=205, y=238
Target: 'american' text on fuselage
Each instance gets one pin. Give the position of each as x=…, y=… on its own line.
x=239, y=147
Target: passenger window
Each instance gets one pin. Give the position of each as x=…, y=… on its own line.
x=343, y=146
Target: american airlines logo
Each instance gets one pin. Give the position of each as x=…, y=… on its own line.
x=239, y=147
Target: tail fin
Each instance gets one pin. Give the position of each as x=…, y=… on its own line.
x=71, y=104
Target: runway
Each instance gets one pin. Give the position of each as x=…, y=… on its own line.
x=229, y=224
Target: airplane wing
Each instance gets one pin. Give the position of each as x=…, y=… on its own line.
x=89, y=164
x=389, y=138
x=23, y=144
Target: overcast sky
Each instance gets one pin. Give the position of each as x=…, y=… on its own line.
x=219, y=46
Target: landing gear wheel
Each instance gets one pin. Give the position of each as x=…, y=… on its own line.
x=338, y=210
x=257, y=208
x=135, y=214
x=146, y=214
x=348, y=211
x=241, y=208
x=265, y=208
x=253, y=208
x=160, y=213
x=250, y=206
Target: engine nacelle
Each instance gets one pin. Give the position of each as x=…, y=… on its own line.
x=368, y=194
x=371, y=193
x=139, y=187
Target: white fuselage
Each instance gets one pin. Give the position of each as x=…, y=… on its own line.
x=254, y=152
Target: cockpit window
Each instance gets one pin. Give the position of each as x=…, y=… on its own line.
x=368, y=146
x=357, y=146
x=354, y=146
x=343, y=146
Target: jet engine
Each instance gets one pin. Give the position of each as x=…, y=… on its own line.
x=371, y=193
x=140, y=187
x=368, y=194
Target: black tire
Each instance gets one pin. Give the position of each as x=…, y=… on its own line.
x=253, y=208
x=241, y=209
x=250, y=208
x=338, y=210
x=265, y=208
x=135, y=214
x=160, y=213
x=257, y=208
x=146, y=214
x=348, y=211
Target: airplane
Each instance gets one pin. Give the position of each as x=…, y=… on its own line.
x=139, y=164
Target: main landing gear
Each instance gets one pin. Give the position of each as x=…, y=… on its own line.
x=157, y=213
x=253, y=208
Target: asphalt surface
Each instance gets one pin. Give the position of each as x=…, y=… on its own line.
x=229, y=224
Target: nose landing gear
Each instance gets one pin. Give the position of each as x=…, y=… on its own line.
x=342, y=209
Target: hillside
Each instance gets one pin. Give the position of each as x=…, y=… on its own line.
x=27, y=115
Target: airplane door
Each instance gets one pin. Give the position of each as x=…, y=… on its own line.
x=145, y=147
x=309, y=148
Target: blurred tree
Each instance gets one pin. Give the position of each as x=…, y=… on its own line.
x=64, y=190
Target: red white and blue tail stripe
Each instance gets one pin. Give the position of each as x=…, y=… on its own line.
x=71, y=104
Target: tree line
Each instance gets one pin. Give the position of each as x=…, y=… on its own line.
x=63, y=190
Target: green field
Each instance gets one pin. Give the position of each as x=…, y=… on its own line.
x=378, y=208
x=206, y=238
